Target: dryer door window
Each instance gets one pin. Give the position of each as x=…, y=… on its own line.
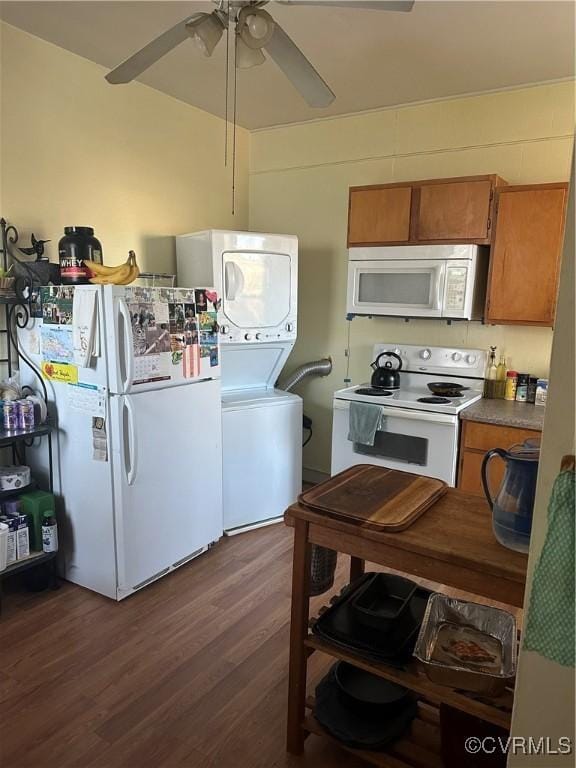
x=256, y=288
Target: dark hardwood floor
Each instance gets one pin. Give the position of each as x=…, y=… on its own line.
x=191, y=671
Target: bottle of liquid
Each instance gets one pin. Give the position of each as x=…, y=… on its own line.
x=501, y=378
x=49, y=532
x=491, y=371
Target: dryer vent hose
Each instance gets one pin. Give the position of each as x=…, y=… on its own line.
x=317, y=368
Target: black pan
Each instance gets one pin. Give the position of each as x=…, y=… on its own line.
x=446, y=388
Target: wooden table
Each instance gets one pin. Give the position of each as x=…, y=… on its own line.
x=451, y=544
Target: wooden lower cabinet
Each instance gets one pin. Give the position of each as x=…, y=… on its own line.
x=476, y=439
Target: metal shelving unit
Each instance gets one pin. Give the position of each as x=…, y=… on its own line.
x=17, y=315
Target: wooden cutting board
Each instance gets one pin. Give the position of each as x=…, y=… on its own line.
x=374, y=497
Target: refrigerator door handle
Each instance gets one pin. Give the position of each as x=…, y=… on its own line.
x=126, y=350
x=130, y=443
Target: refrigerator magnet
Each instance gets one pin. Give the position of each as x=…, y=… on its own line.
x=176, y=317
x=63, y=372
x=213, y=299
x=209, y=322
x=57, y=304
x=201, y=300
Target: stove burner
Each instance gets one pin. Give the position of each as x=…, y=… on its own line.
x=373, y=392
x=434, y=400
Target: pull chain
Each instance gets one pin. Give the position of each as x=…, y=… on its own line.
x=234, y=122
x=227, y=84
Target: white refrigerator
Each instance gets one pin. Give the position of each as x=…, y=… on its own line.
x=137, y=448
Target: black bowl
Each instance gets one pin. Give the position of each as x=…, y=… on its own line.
x=365, y=689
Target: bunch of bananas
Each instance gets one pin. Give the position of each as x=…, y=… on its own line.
x=124, y=274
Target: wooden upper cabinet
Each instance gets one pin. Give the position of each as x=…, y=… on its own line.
x=525, y=259
x=457, y=210
x=379, y=215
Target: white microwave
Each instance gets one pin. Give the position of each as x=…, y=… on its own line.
x=442, y=281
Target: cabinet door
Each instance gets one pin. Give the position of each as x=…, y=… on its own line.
x=379, y=215
x=457, y=210
x=525, y=257
x=476, y=440
x=470, y=479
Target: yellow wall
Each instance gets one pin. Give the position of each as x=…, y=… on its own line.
x=137, y=165
x=299, y=181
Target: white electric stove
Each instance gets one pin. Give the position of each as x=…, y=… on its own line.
x=418, y=430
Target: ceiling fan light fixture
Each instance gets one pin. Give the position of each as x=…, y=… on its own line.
x=206, y=32
x=255, y=27
x=247, y=57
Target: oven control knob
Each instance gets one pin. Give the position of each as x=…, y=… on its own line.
x=289, y=327
x=470, y=359
x=223, y=329
x=425, y=354
x=456, y=356
x=258, y=336
x=247, y=336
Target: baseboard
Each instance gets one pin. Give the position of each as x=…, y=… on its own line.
x=313, y=476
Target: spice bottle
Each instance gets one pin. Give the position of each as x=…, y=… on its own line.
x=522, y=388
x=511, y=380
x=49, y=532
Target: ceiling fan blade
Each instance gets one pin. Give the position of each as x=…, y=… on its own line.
x=298, y=69
x=385, y=5
x=150, y=54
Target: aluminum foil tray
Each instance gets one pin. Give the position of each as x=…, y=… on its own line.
x=499, y=624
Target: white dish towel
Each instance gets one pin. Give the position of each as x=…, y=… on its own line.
x=85, y=336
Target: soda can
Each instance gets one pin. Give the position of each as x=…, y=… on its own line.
x=25, y=415
x=10, y=416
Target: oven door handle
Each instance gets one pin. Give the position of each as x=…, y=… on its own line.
x=404, y=413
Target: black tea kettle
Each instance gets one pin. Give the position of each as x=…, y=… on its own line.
x=385, y=376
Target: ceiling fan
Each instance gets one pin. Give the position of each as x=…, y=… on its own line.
x=255, y=32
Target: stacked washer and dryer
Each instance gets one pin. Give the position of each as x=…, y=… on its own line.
x=256, y=276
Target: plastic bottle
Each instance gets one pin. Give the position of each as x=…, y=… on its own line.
x=490, y=381
x=511, y=380
x=77, y=246
x=49, y=532
x=501, y=378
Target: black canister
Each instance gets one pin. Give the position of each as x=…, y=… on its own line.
x=531, y=392
x=522, y=388
x=78, y=245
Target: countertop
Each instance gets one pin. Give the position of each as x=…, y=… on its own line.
x=506, y=413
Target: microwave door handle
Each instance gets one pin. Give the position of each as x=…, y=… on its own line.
x=440, y=286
